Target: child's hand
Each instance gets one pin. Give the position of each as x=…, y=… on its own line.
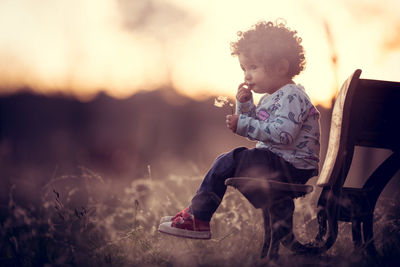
x=231, y=122
x=244, y=93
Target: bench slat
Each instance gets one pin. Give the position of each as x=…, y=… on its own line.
x=268, y=185
x=338, y=131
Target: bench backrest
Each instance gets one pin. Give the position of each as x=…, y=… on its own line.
x=366, y=113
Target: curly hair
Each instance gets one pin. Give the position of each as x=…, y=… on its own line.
x=269, y=42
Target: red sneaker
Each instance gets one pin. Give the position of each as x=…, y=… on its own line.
x=171, y=218
x=186, y=225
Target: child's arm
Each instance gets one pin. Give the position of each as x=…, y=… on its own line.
x=282, y=128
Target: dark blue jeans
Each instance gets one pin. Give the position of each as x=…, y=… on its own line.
x=243, y=162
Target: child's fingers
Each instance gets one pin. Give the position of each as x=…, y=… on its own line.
x=242, y=85
x=231, y=122
x=244, y=95
x=228, y=121
x=244, y=92
x=228, y=118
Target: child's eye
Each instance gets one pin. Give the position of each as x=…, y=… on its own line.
x=251, y=67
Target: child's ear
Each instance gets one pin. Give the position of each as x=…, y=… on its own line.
x=283, y=66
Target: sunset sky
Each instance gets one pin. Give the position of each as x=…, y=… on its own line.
x=80, y=47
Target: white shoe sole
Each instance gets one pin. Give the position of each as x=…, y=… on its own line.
x=166, y=228
x=166, y=219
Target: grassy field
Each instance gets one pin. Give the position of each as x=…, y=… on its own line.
x=87, y=220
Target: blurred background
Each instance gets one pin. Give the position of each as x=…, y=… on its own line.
x=120, y=85
x=126, y=88
x=123, y=85
x=79, y=48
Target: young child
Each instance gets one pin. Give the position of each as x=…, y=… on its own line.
x=285, y=123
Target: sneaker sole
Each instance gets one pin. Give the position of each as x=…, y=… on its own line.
x=166, y=219
x=167, y=229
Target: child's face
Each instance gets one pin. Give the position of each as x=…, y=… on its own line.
x=260, y=79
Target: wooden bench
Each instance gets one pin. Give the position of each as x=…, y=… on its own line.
x=366, y=113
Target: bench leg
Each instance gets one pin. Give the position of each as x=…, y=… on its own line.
x=270, y=250
x=368, y=235
x=277, y=225
x=273, y=252
x=356, y=233
x=267, y=234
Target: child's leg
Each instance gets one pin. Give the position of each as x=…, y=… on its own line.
x=195, y=221
x=212, y=189
x=239, y=162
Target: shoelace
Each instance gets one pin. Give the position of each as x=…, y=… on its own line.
x=180, y=220
x=179, y=214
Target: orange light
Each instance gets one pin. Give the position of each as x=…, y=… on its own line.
x=83, y=47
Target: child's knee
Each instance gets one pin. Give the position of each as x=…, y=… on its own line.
x=228, y=158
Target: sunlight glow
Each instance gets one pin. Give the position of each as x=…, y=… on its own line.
x=121, y=46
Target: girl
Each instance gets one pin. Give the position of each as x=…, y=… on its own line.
x=285, y=123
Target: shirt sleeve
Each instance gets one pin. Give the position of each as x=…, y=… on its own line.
x=281, y=128
x=248, y=108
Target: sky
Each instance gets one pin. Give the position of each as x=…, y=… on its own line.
x=81, y=47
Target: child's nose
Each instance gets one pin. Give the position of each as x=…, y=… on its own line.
x=247, y=77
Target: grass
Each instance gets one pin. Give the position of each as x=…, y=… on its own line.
x=85, y=220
